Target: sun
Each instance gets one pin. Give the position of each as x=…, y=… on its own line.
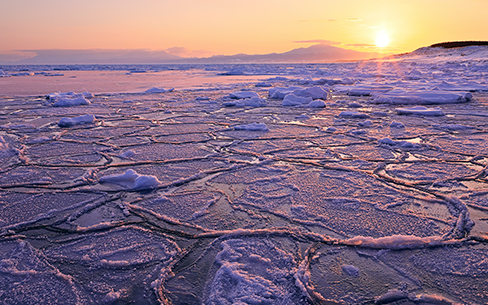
x=382, y=39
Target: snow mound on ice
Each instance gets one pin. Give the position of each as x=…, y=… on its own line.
x=400, y=96
x=353, y=115
x=316, y=104
x=281, y=92
x=421, y=110
x=132, y=180
x=394, y=241
x=395, y=124
x=316, y=92
x=80, y=120
x=127, y=154
x=248, y=102
x=293, y=100
x=252, y=127
x=158, y=90
x=69, y=99
x=53, y=97
x=243, y=95
x=402, y=144
x=71, y=102
x=350, y=270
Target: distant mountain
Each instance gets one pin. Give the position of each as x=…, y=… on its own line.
x=312, y=54
x=95, y=56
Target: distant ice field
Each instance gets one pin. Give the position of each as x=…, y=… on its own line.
x=344, y=183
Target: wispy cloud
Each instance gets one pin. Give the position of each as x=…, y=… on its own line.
x=321, y=41
x=365, y=45
x=354, y=19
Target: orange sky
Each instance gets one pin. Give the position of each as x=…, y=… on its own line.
x=207, y=27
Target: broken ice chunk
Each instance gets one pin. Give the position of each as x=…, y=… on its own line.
x=243, y=94
x=293, y=100
x=84, y=119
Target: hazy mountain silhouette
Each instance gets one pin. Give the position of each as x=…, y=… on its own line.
x=315, y=53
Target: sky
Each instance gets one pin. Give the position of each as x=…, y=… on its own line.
x=201, y=28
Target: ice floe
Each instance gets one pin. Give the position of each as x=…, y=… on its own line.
x=421, y=110
x=80, y=120
x=399, y=96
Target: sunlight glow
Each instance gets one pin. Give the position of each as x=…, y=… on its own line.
x=382, y=39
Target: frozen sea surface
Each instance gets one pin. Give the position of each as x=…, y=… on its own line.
x=222, y=192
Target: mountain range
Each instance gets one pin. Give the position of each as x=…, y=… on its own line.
x=314, y=53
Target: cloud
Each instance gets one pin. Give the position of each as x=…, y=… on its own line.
x=321, y=41
x=366, y=45
x=354, y=19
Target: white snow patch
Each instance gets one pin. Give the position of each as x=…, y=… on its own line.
x=421, y=110
x=71, y=102
x=402, y=144
x=313, y=92
x=252, y=127
x=394, y=241
x=132, y=180
x=353, y=115
x=293, y=100
x=243, y=95
x=316, y=104
x=280, y=92
x=395, y=124
x=350, y=270
x=248, y=102
x=84, y=119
